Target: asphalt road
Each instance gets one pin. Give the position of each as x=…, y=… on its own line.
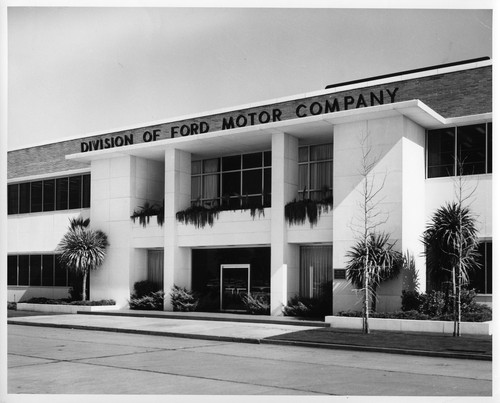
x=66, y=361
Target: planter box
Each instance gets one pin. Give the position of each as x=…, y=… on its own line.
x=407, y=325
x=54, y=308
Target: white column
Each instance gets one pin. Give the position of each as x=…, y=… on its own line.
x=111, y=206
x=284, y=269
x=177, y=261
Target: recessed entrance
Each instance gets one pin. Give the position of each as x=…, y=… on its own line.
x=234, y=284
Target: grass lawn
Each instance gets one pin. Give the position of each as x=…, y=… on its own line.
x=406, y=341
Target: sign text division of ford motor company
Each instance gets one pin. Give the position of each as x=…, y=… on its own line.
x=250, y=117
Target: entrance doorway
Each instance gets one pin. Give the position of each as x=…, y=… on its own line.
x=234, y=284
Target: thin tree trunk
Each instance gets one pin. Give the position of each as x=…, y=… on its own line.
x=84, y=292
x=459, y=307
x=454, y=303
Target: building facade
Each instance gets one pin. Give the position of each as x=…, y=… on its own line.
x=222, y=181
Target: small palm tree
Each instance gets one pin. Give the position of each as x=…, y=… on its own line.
x=380, y=263
x=82, y=249
x=451, y=243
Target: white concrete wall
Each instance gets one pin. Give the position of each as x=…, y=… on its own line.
x=48, y=228
x=397, y=147
x=235, y=228
x=111, y=207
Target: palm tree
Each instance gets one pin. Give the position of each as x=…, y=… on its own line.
x=82, y=249
x=451, y=243
x=377, y=260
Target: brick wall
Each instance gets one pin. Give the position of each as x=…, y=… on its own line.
x=461, y=93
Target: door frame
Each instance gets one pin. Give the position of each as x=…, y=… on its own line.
x=232, y=266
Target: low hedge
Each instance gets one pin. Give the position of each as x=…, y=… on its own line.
x=42, y=300
x=482, y=314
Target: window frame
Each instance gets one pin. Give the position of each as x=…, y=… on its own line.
x=488, y=155
x=308, y=163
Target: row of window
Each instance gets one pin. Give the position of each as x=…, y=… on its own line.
x=463, y=150
x=36, y=270
x=231, y=182
x=70, y=192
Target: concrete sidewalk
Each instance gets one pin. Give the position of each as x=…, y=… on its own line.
x=162, y=325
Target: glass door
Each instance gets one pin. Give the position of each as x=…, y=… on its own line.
x=234, y=284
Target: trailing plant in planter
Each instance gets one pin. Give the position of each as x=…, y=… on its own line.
x=200, y=215
x=297, y=211
x=144, y=213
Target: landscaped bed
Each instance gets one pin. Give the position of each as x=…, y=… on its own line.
x=65, y=305
x=480, y=345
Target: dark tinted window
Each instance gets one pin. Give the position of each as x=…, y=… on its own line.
x=48, y=270
x=252, y=160
x=489, y=146
x=86, y=191
x=60, y=273
x=62, y=194
x=24, y=198
x=252, y=182
x=471, y=143
x=35, y=270
x=232, y=163
x=441, y=152
x=49, y=191
x=36, y=196
x=13, y=199
x=24, y=267
x=12, y=270
x=75, y=192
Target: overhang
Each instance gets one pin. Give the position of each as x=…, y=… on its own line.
x=308, y=130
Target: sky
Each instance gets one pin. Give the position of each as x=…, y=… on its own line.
x=74, y=71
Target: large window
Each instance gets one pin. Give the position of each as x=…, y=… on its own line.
x=465, y=150
x=71, y=192
x=232, y=182
x=481, y=278
x=35, y=270
x=316, y=171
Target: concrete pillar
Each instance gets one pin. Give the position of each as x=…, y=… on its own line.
x=397, y=145
x=177, y=260
x=284, y=189
x=111, y=206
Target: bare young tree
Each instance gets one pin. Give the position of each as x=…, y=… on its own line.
x=370, y=219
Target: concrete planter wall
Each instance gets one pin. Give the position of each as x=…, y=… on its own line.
x=407, y=325
x=53, y=308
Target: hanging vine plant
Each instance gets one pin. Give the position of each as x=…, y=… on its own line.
x=297, y=211
x=200, y=215
x=145, y=212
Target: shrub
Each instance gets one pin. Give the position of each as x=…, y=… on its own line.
x=182, y=299
x=43, y=300
x=258, y=305
x=143, y=288
x=434, y=303
x=146, y=296
x=308, y=307
x=411, y=301
x=12, y=306
x=150, y=302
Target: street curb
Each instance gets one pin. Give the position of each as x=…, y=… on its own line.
x=274, y=341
